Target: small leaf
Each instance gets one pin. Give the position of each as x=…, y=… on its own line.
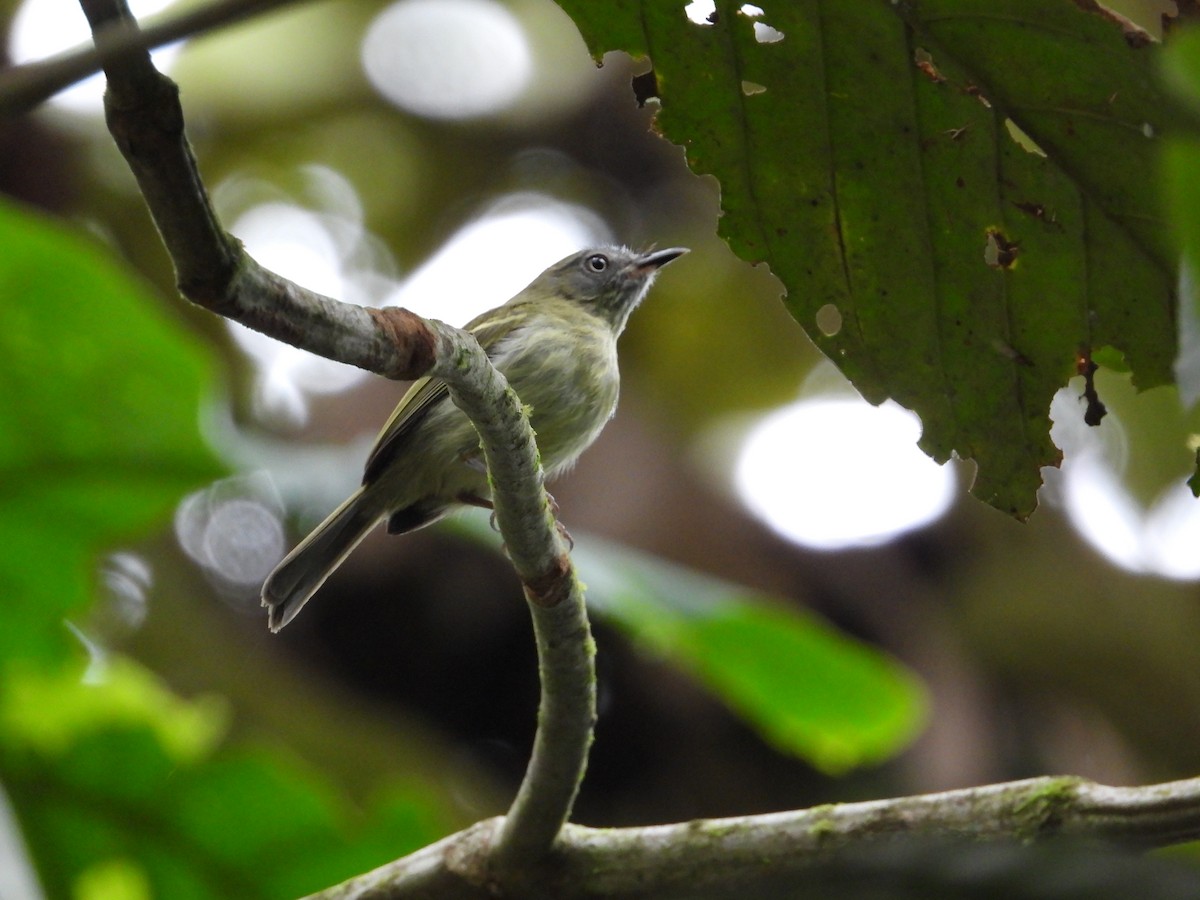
x=808, y=689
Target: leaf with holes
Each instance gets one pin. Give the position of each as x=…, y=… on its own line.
x=957, y=194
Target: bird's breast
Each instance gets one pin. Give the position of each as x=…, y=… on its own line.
x=567, y=377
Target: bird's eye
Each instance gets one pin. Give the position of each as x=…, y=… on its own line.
x=597, y=263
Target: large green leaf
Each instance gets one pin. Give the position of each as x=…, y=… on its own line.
x=875, y=157
x=99, y=423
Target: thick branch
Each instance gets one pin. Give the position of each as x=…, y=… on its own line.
x=751, y=855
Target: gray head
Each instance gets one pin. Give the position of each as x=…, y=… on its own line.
x=611, y=281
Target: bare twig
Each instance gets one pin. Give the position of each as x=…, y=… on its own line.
x=27, y=86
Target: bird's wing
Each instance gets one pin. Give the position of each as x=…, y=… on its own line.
x=426, y=393
x=421, y=397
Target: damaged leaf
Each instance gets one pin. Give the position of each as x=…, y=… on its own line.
x=892, y=145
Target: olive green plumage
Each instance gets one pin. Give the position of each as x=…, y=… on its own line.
x=556, y=343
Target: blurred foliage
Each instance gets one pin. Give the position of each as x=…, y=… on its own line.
x=121, y=788
x=99, y=414
x=942, y=174
x=727, y=353
x=135, y=790
x=810, y=690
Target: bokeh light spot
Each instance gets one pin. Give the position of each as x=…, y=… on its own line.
x=44, y=28
x=495, y=256
x=233, y=531
x=835, y=473
x=1157, y=539
x=126, y=578
x=829, y=320
x=327, y=250
x=447, y=59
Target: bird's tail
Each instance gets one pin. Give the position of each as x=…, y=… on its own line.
x=305, y=569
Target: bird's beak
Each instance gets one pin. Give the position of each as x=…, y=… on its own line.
x=649, y=262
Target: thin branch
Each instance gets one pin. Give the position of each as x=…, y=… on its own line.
x=213, y=270
x=25, y=87
x=566, y=722
x=750, y=855
x=567, y=710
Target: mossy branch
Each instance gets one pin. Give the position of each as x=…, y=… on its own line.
x=774, y=854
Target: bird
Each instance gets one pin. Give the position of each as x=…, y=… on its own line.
x=556, y=344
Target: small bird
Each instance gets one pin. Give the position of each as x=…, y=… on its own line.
x=556, y=343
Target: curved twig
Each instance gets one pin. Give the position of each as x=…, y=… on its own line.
x=213, y=270
x=566, y=665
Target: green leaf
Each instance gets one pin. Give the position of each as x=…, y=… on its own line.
x=940, y=177
x=99, y=423
x=808, y=689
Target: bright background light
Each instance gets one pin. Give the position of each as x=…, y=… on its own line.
x=482, y=265
x=496, y=255
x=447, y=59
x=1160, y=538
x=327, y=250
x=832, y=472
x=44, y=28
x=233, y=530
